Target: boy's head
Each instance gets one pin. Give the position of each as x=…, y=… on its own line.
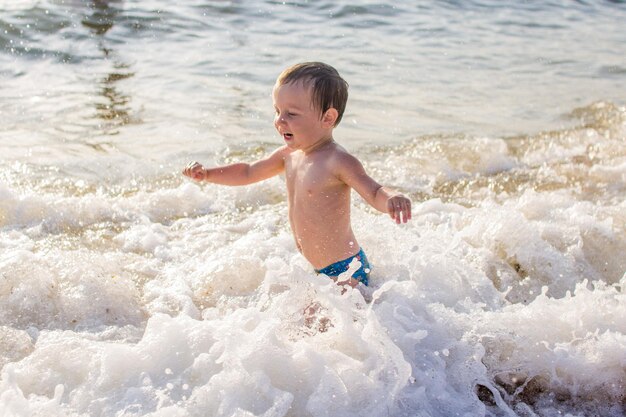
x=328, y=89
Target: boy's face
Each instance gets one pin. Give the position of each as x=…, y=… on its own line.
x=300, y=125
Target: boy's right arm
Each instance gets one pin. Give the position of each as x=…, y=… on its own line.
x=240, y=173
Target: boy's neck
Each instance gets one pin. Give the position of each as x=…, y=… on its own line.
x=318, y=145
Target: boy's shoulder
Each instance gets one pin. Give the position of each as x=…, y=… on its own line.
x=282, y=151
x=330, y=154
x=340, y=155
x=342, y=163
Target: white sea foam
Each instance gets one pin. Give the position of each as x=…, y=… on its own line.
x=167, y=315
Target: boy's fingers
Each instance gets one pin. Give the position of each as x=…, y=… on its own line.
x=193, y=170
x=399, y=209
x=406, y=210
x=391, y=209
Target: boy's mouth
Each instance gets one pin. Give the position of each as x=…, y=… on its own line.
x=288, y=136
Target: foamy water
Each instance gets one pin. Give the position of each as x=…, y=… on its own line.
x=126, y=290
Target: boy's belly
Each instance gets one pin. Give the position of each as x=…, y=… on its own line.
x=325, y=243
x=321, y=225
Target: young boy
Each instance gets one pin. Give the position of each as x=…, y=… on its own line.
x=309, y=101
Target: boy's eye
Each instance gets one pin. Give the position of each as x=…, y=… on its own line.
x=288, y=114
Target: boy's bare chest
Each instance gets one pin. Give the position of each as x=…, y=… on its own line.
x=309, y=176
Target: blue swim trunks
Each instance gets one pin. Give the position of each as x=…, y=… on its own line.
x=362, y=274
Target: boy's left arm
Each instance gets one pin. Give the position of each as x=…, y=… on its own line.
x=351, y=171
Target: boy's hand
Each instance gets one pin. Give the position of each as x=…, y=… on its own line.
x=195, y=170
x=399, y=208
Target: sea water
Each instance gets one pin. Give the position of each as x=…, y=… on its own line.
x=127, y=290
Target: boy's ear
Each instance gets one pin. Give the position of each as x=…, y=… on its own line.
x=330, y=117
